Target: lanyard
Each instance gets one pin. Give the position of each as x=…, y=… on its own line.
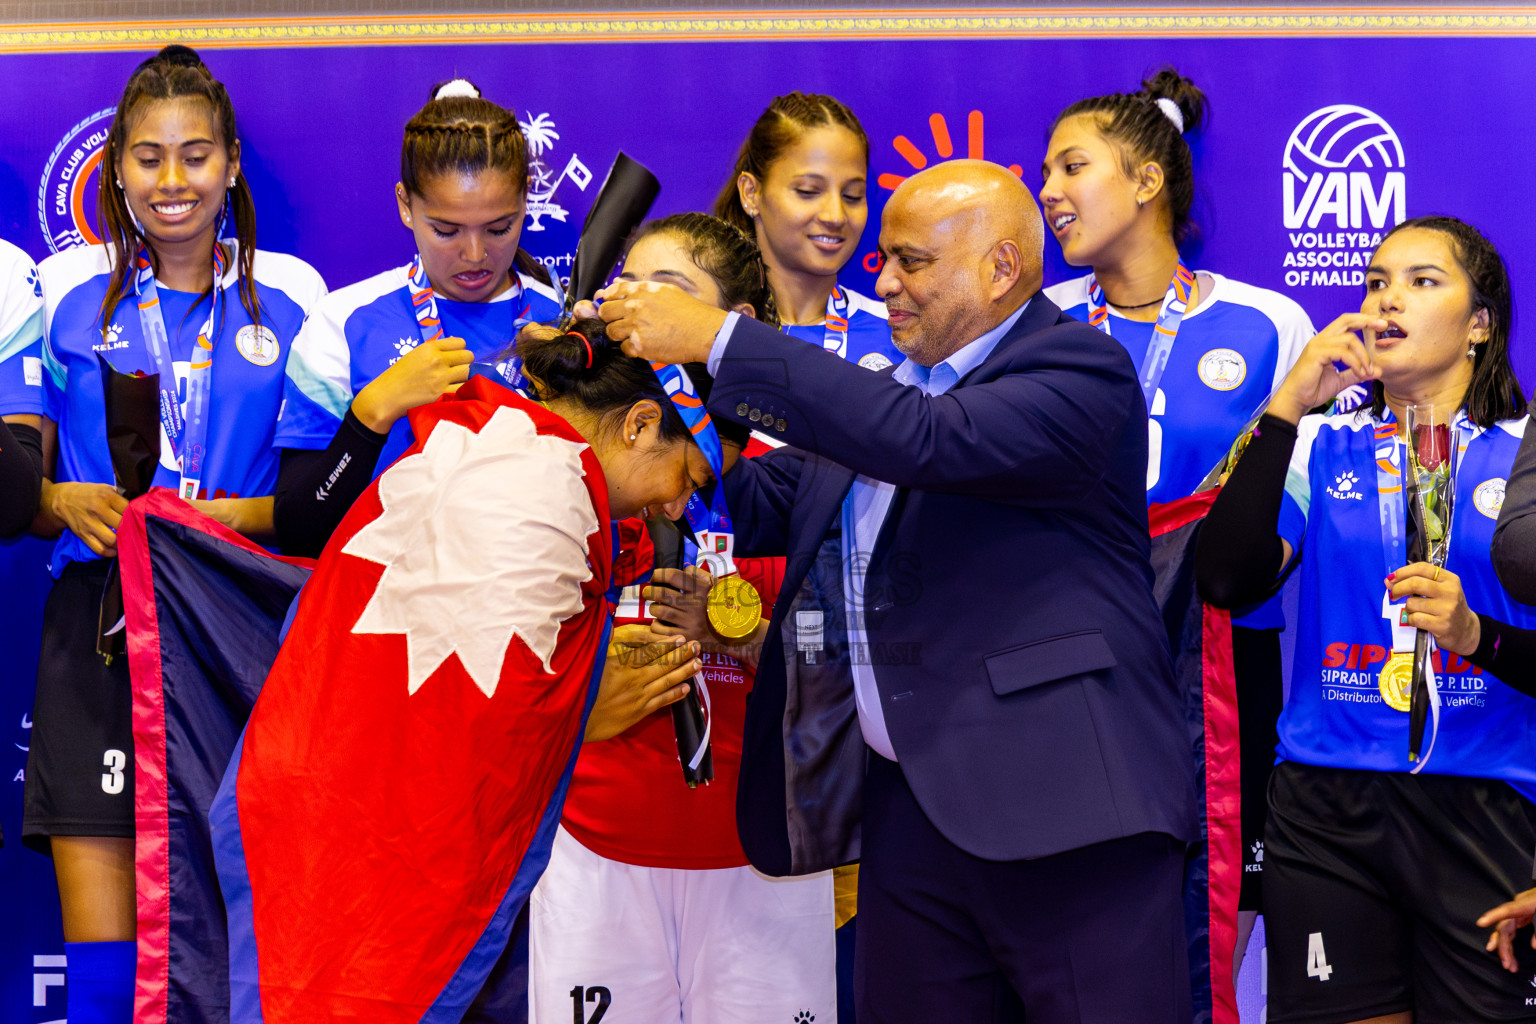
x=424, y=303
x=1169, y=316
x=835, y=336
x=715, y=519
x=187, y=433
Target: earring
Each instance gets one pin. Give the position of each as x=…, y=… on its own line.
x=1139, y=202
x=633, y=436
x=1471, y=351
x=119, y=182
x=231, y=182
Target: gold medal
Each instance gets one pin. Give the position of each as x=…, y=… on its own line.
x=734, y=607
x=1396, y=682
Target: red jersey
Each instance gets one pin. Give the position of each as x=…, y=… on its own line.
x=628, y=801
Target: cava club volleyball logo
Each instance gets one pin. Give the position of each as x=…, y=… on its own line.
x=66, y=196
x=1343, y=186
x=944, y=149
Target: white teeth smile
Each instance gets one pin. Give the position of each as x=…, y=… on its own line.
x=1063, y=221
x=829, y=239
x=172, y=209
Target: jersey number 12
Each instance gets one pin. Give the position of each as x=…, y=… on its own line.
x=591, y=994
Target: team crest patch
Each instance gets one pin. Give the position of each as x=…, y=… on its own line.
x=257, y=344
x=1222, y=369
x=1488, y=498
x=874, y=361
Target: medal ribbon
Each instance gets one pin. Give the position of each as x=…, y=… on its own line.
x=1164, y=331
x=835, y=338
x=187, y=434
x=424, y=302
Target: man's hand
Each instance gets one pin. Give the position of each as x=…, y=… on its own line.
x=644, y=673
x=659, y=322
x=1505, y=920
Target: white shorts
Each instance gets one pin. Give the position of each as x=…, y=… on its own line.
x=638, y=945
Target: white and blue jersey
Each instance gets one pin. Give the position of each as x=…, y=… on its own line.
x=1335, y=716
x=361, y=330
x=1231, y=352
x=21, y=334
x=246, y=375
x=867, y=340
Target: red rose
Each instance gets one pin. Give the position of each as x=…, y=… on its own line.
x=1432, y=442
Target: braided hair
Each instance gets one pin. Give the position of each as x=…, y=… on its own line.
x=777, y=129
x=461, y=132
x=727, y=254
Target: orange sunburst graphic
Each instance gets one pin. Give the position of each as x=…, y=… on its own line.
x=943, y=145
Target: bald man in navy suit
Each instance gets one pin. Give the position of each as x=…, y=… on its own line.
x=966, y=685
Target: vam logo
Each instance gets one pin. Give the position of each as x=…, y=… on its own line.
x=1343, y=184
x=66, y=196
x=1488, y=498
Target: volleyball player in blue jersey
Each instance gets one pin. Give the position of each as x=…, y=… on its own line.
x=800, y=188
x=168, y=294
x=1118, y=185
x=1377, y=865
x=378, y=348
x=21, y=390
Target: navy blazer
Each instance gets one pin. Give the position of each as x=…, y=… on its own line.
x=1020, y=658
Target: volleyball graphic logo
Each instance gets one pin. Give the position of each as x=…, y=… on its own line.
x=66, y=196
x=1347, y=162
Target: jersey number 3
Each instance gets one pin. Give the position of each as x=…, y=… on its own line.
x=1317, y=960
x=591, y=994
x=114, y=761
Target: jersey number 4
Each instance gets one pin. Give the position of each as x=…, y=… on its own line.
x=591, y=994
x=1317, y=960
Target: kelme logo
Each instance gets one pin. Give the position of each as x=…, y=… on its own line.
x=1343, y=185
x=66, y=197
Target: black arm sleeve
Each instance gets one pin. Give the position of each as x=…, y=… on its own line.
x=315, y=488
x=21, y=477
x=1508, y=653
x=1237, y=557
x=1514, y=539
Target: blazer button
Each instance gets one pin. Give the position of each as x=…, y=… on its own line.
x=755, y=415
x=767, y=422
x=779, y=426
x=742, y=409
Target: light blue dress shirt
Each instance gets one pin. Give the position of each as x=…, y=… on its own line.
x=864, y=512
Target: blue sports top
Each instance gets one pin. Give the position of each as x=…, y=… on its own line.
x=21, y=334
x=1232, y=350
x=359, y=331
x=247, y=372
x=1334, y=715
x=868, y=339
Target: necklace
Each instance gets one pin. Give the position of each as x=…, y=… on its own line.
x=1140, y=305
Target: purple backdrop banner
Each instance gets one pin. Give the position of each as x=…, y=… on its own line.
x=1278, y=205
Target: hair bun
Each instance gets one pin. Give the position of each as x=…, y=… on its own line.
x=456, y=88
x=1178, y=98
x=175, y=54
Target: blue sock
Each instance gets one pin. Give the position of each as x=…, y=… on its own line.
x=100, y=976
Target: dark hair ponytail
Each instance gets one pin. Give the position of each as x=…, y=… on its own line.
x=176, y=72
x=584, y=366
x=777, y=128
x=467, y=135
x=1495, y=393
x=1143, y=130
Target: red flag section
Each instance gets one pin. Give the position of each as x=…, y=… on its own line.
x=397, y=787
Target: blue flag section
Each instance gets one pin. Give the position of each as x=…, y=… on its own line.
x=205, y=612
